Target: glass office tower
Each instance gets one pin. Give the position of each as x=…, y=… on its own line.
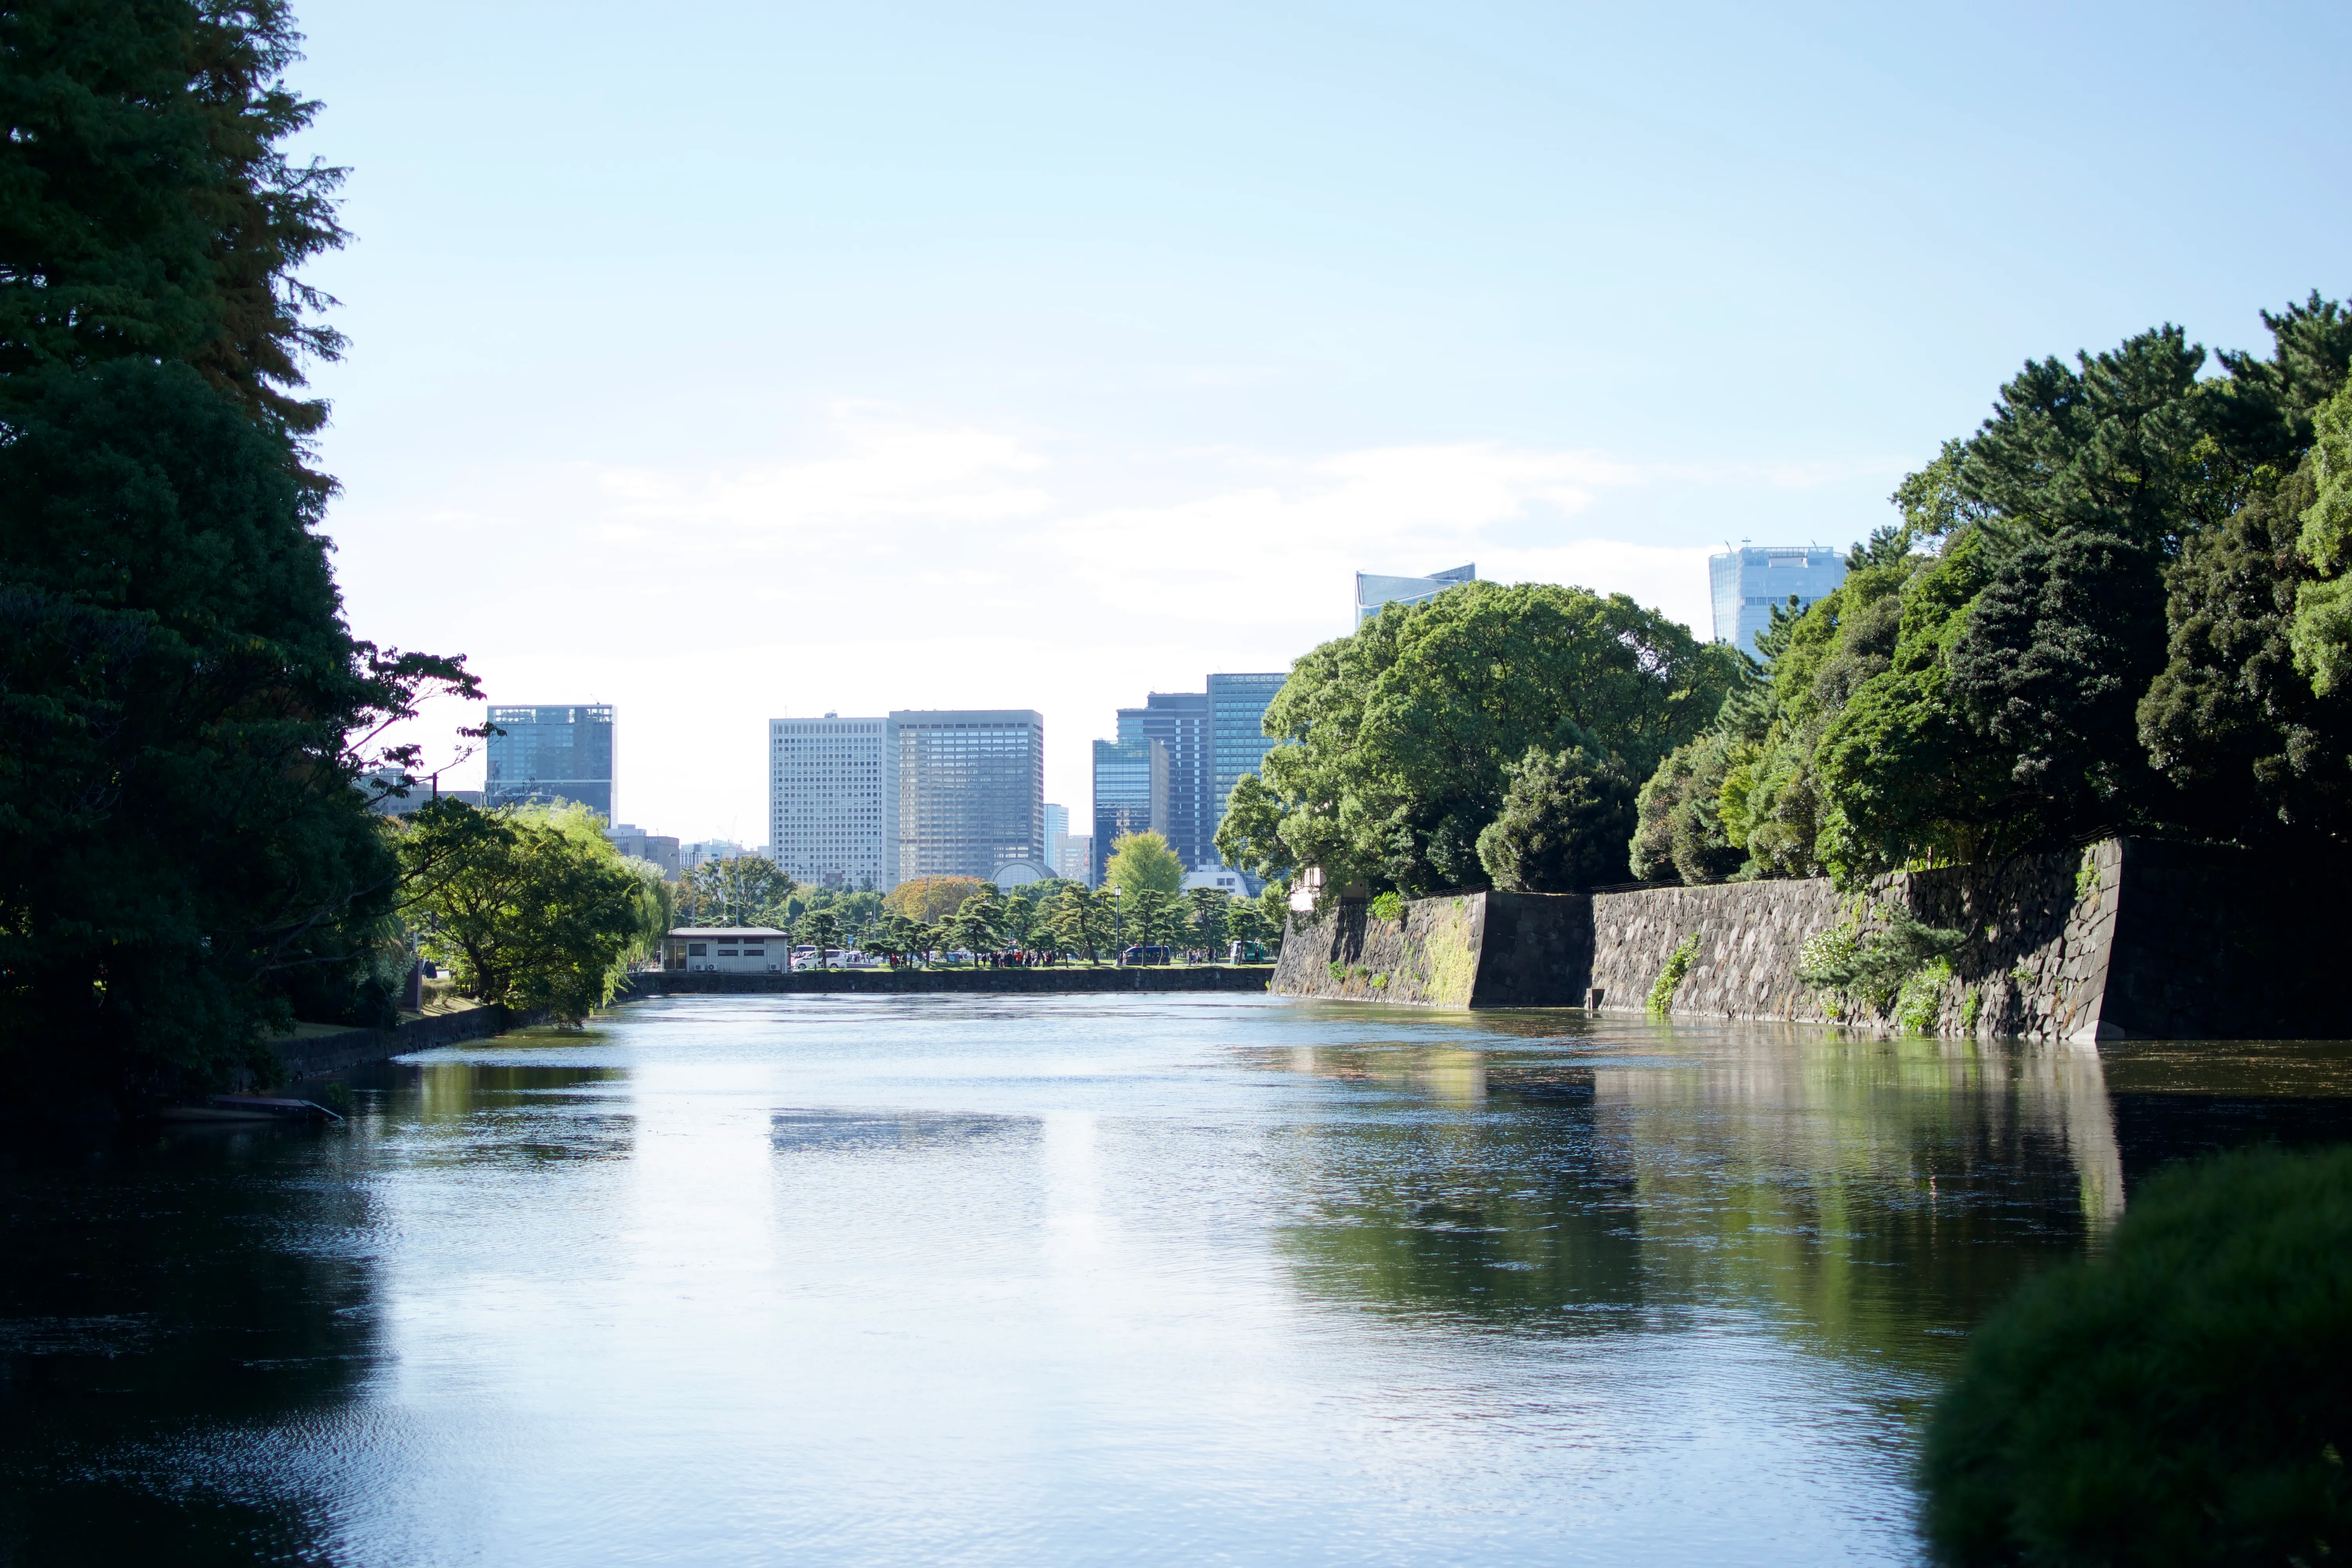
x=1179, y=721
x=1130, y=795
x=1375, y=590
x=1748, y=582
x=971, y=790
x=1237, y=737
x=552, y=753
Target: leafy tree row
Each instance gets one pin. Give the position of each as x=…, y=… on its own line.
x=2119, y=606
x=1489, y=736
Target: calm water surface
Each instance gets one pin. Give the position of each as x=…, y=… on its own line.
x=1066, y=1281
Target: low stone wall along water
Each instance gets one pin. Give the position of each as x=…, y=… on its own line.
x=2127, y=937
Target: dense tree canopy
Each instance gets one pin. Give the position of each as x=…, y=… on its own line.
x=186, y=723
x=1566, y=825
x=929, y=899
x=185, y=851
x=531, y=908
x=1399, y=739
x=147, y=206
x=1142, y=862
x=2089, y=620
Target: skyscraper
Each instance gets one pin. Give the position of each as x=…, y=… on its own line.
x=1237, y=737
x=971, y=790
x=833, y=796
x=1130, y=795
x=550, y=754
x=1179, y=721
x=1372, y=590
x=1749, y=580
x=1057, y=836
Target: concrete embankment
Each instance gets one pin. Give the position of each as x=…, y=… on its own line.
x=306, y=1055
x=2127, y=937
x=1056, y=981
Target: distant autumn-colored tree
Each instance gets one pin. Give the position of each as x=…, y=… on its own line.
x=931, y=900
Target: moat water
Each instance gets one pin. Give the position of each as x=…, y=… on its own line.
x=938, y=1279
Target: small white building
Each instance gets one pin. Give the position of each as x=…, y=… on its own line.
x=1224, y=878
x=726, y=950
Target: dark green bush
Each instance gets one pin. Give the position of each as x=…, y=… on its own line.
x=1567, y=824
x=2185, y=1398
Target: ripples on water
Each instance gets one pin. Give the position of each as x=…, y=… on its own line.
x=1066, y=1281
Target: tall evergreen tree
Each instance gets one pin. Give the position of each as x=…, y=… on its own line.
x=186, y=853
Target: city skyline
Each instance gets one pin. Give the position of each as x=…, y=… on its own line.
x=974, y=360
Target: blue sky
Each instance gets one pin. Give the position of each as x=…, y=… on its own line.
x=723, y=361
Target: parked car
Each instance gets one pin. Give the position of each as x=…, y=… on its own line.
x=1146, y=953
x=1245, y=953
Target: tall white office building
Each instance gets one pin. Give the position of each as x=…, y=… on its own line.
x=833, y=801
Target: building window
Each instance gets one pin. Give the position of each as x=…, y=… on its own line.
x=696, y=948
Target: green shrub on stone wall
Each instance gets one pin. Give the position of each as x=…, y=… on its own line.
x=1387, y=906
x=1670, y=978
x=2184, y=1398
x=1920, y=1001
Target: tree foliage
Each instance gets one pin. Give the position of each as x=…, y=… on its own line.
x=148, y=209
x=1142, y=862
x=530, y=907
x=737, y=890
x=1079, y=920
x=1398, y=741
x=1566, y=825
x=2084, y=623
x=2255, y=749
x=186, y=853
x=2180, y=1399
x=930, y=898
x=187, y=857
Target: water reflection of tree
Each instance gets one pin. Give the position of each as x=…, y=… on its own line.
x=1864, y=1196
x=1468, y=1191
x=170, y=1310
x=1868, y=1197
x=476, y=1113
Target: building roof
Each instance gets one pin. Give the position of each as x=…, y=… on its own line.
x=723, y=933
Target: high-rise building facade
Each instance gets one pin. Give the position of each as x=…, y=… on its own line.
x=1748, y=582
x=1179, y=721
x=971, y=790
x=1237, y=737
x=1375, y=590
x=1078, y=858
x=1131, y=795
x=1057, y=837
x=833, y=800
x=635, y=842
x=539, y=755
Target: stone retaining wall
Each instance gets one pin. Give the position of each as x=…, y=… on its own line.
x=2127, y=938
x=1056, y=981
x=2039, y=928
x=1464, y=949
